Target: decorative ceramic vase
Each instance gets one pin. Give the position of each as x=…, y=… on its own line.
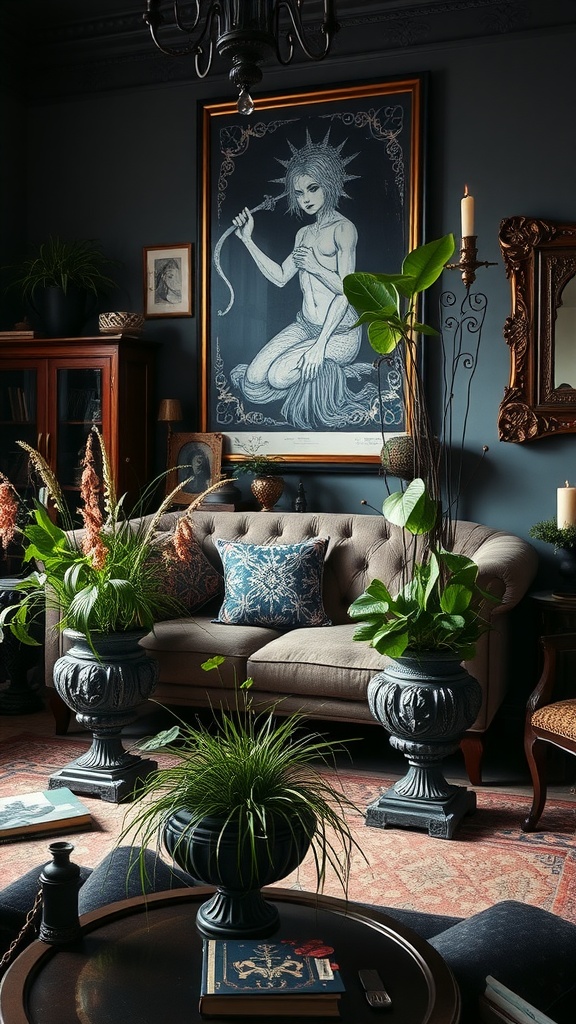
x=60, y=882
x=267, y=490
x=104, y=687
x=426, y=703
x=237, y=869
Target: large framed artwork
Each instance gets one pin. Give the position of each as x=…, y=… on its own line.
x=312, y=187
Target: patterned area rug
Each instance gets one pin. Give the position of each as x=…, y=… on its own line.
x=490, y=858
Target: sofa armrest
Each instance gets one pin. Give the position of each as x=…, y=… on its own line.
x=506, y=567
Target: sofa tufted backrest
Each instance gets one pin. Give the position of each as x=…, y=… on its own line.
x=361, y=548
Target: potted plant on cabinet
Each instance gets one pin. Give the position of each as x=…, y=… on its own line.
x=109, y=586
x=268, y=484
x=424, y=698
x=57, y=279
x=245, y=799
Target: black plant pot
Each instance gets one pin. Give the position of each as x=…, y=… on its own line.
x=61, y=314
x=214, y=853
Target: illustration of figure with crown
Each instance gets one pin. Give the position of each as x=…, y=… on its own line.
x=307, y=364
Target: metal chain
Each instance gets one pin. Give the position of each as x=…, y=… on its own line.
x=30, y=921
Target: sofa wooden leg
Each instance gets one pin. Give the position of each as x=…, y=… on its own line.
x=472, y=746
x=61, y=712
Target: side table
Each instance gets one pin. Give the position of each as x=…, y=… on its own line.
x=16, y=660
x=141, y=960
x=558, y=614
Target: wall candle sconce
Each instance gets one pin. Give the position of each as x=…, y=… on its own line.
x=468, y=263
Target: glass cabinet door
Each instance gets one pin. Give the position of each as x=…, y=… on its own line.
x=79, y=407
x=18, y=421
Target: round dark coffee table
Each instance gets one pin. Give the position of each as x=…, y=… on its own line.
x=140, y=960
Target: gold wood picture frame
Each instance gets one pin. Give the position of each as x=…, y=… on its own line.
x=195, y=460
x=316, y=185
x=167, y=280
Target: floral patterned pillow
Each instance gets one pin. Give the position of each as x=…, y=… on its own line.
x=276, y=585
x=190, y=578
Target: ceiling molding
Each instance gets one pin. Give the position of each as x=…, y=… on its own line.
x=109, y=46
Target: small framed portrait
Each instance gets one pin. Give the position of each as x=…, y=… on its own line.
x=167, y=280
x=195, y=461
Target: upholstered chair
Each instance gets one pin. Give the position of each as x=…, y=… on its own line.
x=550, y=716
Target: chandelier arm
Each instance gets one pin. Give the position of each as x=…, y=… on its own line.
x=329, y=27
x=154, y=20
x=188, y=30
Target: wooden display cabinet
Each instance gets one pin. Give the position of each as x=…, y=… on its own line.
x=53, y=390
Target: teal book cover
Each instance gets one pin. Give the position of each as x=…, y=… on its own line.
x=252, y=967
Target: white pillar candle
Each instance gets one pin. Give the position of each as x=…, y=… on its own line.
x=566, y=506
x=467, y=213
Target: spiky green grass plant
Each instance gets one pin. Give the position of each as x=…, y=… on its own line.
x=251, y=770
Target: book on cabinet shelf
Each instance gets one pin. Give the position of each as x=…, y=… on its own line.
x=256, y=978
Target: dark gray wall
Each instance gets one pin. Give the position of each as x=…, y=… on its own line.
x=122, y=166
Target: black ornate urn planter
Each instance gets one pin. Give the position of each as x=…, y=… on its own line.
x=426, y=703
x=214, y=853
x=104, y=687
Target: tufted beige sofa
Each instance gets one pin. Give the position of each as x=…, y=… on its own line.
x=321, y=670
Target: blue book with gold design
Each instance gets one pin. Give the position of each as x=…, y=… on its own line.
x=255, y=977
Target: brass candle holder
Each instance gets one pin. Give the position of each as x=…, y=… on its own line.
x=469, y=263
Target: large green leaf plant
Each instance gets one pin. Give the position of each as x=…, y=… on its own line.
x=439, y=606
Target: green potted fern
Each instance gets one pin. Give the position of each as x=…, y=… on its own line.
x=243, y=801
x=56, y=280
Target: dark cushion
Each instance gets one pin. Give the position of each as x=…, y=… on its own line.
x=274, y=585
x=531, y=951
x=117, y=877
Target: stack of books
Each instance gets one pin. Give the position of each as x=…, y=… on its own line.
x=256, y=978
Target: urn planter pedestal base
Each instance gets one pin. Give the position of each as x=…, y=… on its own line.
x=104, y=683
x=426, y=703
x=440, y=818
x=114, y=784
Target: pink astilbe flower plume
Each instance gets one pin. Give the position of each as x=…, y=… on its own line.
x=182, y=540
x=8, y=511
x=92, y=543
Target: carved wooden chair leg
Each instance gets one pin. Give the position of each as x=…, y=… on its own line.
x=472, y=747
x=537, y=757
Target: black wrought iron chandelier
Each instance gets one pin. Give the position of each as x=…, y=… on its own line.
x=244, y=32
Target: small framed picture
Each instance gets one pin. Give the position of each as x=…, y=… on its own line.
x=195, y=461
x=167, y=280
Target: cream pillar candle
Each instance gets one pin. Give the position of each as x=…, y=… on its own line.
x=467, y=213
x=566, y=506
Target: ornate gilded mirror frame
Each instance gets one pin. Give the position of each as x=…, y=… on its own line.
x=540, y=260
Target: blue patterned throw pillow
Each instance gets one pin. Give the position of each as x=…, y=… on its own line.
x=277, y=585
